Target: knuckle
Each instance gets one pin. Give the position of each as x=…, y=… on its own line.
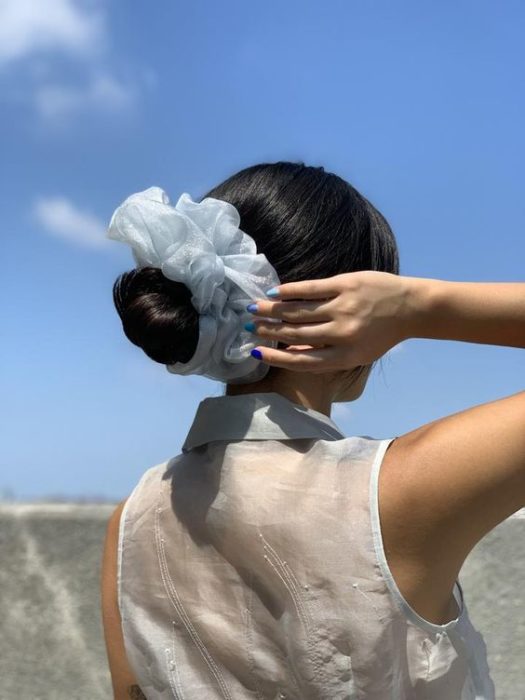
x=291, y=289
x=289, y=311
x=268, y=328
x=304, y=311
x=350, y=329
x=260, y=329
x=268, y=308
x=277, y=309
x=290, y=331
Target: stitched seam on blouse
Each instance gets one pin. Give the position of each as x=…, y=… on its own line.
x=175, y=601
x=173, y=671
x=304, y=620
x=249, y=641
x=357, y=588
x=425, y=647
x=292, y=588
x=291, y=584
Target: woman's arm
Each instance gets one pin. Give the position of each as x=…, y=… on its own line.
x=352, y=319
x=476, y=312
x=450, y=481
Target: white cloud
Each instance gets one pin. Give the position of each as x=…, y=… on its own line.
x=35, y=38
x=28, y=27
x=101, y=93
x=63, y=219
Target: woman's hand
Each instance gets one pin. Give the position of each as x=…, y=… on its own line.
x=335, y=323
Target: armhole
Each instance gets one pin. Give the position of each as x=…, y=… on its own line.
x=121, y=535
x=120, y=548
x=122, y=526
x=398, y=598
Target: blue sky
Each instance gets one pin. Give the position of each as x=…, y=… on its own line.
x=420, y=106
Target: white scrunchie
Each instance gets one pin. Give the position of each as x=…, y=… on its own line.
x=201, y=245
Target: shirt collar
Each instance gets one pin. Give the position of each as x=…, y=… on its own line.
x=257, y=416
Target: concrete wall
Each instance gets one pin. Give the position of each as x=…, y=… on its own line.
x=51, y=638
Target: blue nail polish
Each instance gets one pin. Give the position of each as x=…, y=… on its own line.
x=273, y=292
x=252, y=308
x=250, y=326
x=257, y=354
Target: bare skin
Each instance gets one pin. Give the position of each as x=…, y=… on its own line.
x=445, y=485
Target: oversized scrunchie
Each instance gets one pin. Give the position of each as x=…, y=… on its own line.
x=201, y=245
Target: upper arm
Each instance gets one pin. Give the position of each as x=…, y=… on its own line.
x=125, y=685
x=458, y=477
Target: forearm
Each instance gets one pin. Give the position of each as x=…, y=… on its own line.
x=476, y=312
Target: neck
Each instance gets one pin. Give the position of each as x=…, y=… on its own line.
x=306, y=389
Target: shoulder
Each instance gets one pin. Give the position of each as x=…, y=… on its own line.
x=445, y=485
x=461, y=475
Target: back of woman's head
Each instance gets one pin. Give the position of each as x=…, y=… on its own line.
x=310, y=224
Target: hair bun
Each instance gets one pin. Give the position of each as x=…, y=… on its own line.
x=157, y=314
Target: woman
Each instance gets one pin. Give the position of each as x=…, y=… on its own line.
x=274, y=557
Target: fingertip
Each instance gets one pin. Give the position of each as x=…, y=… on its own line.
x=256, y=353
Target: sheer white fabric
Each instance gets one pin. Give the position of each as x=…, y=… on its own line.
x=251, y=566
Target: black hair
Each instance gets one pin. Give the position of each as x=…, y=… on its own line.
x=310, y=224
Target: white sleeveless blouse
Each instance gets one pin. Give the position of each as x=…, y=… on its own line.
x=251, y=566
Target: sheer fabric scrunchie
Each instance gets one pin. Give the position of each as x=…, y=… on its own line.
x=201, y=245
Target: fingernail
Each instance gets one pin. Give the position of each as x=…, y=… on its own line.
x=252, y=308
x=250, y=326
x=273, y=292
x=257, y=354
